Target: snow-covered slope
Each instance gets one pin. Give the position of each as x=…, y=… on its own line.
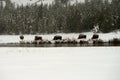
x=16, y=39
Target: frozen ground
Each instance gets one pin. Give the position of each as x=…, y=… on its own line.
x=60, y=63
x=15, y=38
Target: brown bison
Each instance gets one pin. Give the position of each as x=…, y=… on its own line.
x=95, y=36
x=98, y=41
x=57, y=38
x=82, y=36
x=38, y=38
x=21, y=37
x=83, y=42
x=115, y=41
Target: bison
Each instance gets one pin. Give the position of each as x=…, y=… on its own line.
x=98, y=41
x=82, y=36
x=57, y=38
x=83, y=42
x=95, y=36
x=115, y=41
x=21, y=37
x=38, y=38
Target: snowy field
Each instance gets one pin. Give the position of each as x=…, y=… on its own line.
x=16, y=39
x=91, y=63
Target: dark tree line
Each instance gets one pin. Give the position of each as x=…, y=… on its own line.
x=60, y=16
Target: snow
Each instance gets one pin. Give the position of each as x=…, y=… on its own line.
x=73, y=36
x=25, y=2
x=90, y=63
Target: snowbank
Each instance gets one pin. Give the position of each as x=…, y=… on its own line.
x=15, y=38
x=60, y=63
x=25, y=2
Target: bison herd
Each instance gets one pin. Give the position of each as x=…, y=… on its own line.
x=80, y=40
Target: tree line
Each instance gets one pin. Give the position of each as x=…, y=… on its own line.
x=60, y=17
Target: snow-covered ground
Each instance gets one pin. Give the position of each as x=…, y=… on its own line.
x=60, y=63
x=16, y=39
x=25, y=2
